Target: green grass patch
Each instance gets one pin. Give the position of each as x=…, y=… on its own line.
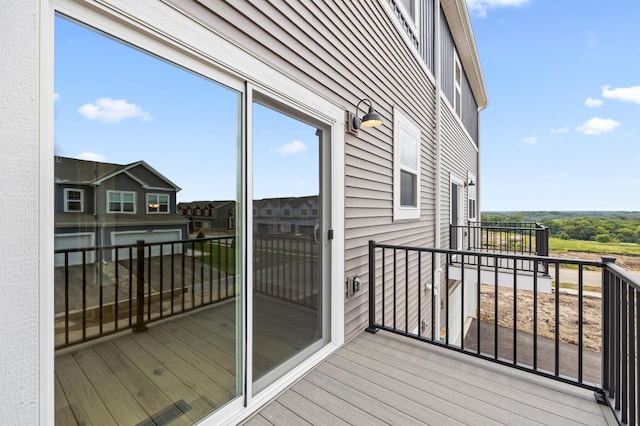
x=219, y=255
x=630, y=249
x=572, y=286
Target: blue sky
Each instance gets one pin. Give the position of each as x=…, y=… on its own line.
x=562, y=129
x=116, y=104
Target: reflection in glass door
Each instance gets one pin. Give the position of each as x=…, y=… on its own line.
x=288, y=293
x=147, y=184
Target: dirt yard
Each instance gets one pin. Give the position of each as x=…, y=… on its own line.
x=568, y=307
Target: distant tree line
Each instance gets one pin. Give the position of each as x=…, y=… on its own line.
x=587, y=226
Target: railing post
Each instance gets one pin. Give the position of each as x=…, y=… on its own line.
x=372, y=287
x=606, y=323
x=140, y=325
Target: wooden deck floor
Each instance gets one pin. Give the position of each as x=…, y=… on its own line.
x=185, y=365
x=388, y=379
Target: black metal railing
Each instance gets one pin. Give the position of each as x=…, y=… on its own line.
x=521, y=238
x=621, y=325
x=103, y=290
x=286, y=268
x=563, y=326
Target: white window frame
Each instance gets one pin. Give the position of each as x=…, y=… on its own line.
x=412, y=16
x=157, y=33
x=472, y=213
x=404, y=128
x=66, y=200
x=147, y=203
x=457, y=85
x=121, y=211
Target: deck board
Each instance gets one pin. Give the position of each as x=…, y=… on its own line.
x=396, y=380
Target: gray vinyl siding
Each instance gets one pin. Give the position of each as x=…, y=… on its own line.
x=470, y=115
x=314, y=43
x=459, y=158
x=469, y=104
x=427, y=33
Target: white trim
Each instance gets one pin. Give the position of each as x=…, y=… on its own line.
x=66, y=200
x=454, y=179
x=457, y=85
x=121, y=211
x=177, y=38
x=146, y=203
x=414, y=21
x=46, y=345
x=472, y=178
x=404, y=128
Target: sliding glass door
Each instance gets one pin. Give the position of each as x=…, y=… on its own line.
x=289, y=295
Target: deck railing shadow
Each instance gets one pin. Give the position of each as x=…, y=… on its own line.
x=576, y=337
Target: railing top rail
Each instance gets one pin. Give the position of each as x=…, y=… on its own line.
x=548, y=259
x=146, y=244
x=622, y=273
x=500, y=226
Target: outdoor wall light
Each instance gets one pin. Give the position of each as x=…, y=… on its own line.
x=469, y=183
x=370, y=119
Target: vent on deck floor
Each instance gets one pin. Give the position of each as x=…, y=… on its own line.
x=165, y=416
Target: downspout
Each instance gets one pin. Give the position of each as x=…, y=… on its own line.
x=437, y=72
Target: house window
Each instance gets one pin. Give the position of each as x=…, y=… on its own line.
x=157, y=203
x=457, y=86
x=121, y=202
x=269, y=212
x=287, y=213
x=73, y=200
x=472, y=196
x=303, y=212
x=314, y=212
x=406, y=165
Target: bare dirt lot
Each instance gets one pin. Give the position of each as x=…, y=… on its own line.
x=567, y=303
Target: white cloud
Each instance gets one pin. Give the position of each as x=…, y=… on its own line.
x=531, y=140
x=479, y=8
x=112, y=111
x=292, y=148
x=560, y=130
x=91, y=156
x=597, y=125
x=593, y=103
x=624, y=94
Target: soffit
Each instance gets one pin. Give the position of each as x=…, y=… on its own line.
x=456, y=13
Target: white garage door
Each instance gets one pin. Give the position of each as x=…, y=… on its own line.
x=74, y=241
x=156, y=236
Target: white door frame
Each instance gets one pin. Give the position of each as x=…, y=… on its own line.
x=159, y=28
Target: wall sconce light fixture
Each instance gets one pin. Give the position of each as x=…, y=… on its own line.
x=469, y=183
x=370, y=119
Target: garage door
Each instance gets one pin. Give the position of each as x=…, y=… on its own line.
x=156, y=236
x=74, y=241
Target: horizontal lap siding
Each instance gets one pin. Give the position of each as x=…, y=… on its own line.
x=321, y=44
x=459, y=157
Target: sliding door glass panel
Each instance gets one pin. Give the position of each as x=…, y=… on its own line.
x=146, y=235
x=289, y=308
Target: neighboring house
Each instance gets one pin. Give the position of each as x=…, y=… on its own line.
x=403, y=182
x=103, y=204
x=209, y=216
x=289, y=216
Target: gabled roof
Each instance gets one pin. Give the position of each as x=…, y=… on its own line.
x=83, y=172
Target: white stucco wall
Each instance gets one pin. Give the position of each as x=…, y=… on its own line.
x=19, y=159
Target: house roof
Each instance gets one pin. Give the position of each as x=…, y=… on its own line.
x=460, y=25
x=72, y=170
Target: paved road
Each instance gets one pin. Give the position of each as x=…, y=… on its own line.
x=591, y=278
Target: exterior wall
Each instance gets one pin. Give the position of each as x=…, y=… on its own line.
x=459, y=158
x=320, y=45
x=21, y=201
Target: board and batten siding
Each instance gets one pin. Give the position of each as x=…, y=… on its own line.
x=447, y=55
x=346, y=51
